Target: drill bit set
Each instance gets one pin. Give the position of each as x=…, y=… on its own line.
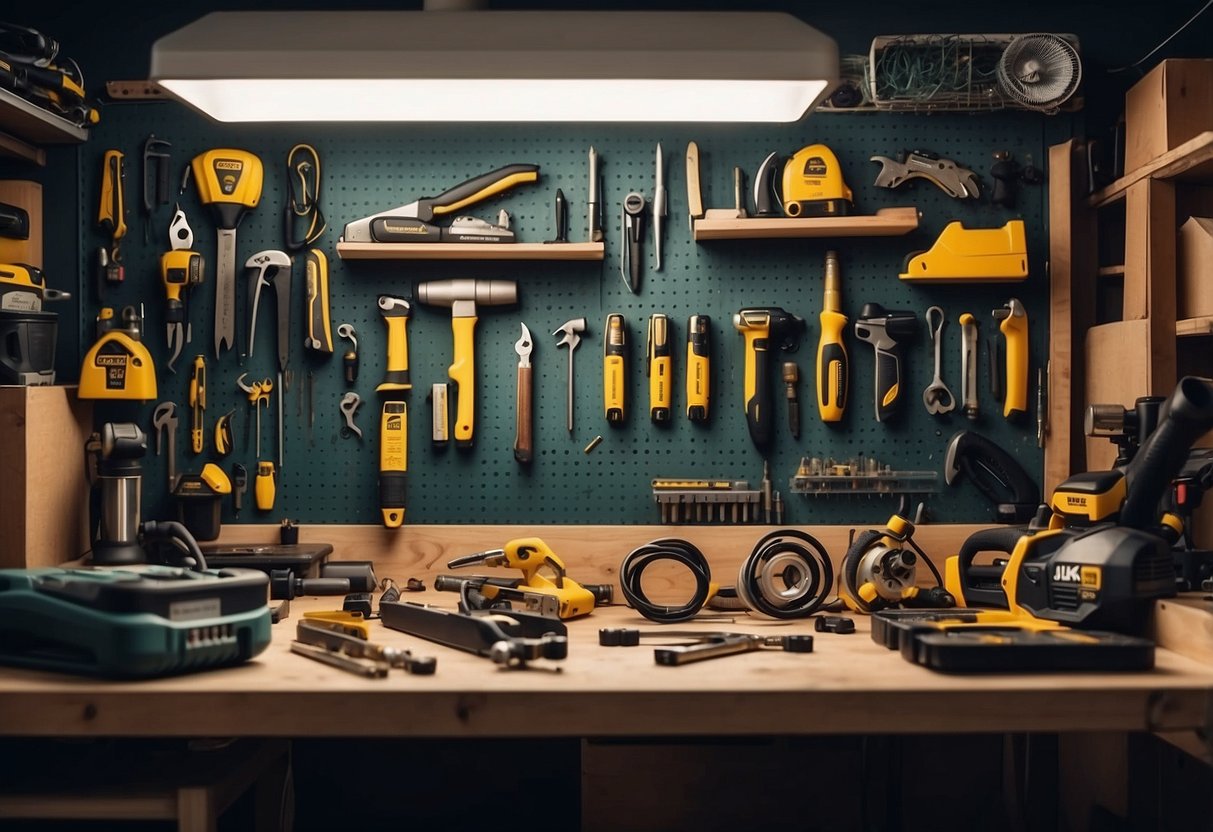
x=860, y=475
x=717, y=500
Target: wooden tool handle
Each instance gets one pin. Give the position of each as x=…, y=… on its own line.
x=523, y=449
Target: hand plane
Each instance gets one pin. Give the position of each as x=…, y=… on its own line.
x=415, y=222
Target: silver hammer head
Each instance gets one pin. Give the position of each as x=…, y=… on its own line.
x=463, y=295
x=570, y=332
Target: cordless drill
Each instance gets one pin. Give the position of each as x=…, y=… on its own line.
x=886, y=331
x=761, y=327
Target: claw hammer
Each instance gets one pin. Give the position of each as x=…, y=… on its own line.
x=462, y=296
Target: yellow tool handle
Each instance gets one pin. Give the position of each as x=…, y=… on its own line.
x=660, y=368
x=393, y=463
x=265, y=489
x=614, y=369
x=111, y=213
x=463, y=373
x=319, y=325
x=699, y=367
x=197, y=402
x=396, y=375
x=757, y=382
x=832, y=368
x=482, y=187
x=1014, y=328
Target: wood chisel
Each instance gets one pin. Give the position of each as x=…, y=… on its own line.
x=694, y=194
x=614, y=368
x=319, y=327
x=699, y=367
x=593, y=206
x=229, y=181
x=660, y=368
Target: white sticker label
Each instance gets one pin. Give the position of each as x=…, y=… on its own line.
x=194, y=610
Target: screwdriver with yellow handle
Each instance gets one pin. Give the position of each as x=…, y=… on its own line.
x=197, y=402
x=265, y=489
x=614, y=369
x=699, y=367
x=660, y=363
x=832, y=368
x=1013, y=324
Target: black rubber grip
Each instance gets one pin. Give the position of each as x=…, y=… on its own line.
x=393, y=489
x=987, y=540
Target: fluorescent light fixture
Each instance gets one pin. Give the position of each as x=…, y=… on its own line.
x=486, y=66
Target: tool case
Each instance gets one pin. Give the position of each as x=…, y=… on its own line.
x=133, y=622
x=970, y=640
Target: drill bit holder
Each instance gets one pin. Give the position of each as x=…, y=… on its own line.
x=860, y=476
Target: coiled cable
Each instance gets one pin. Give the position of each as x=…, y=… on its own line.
x=788, y=575
x=631, y=573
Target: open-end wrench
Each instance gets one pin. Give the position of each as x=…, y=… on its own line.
x=968, y=363
x=937, y=397
x=570, y=336
x=164, y=419
x=350, y=403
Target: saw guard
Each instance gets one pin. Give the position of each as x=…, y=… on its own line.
x=972, y=255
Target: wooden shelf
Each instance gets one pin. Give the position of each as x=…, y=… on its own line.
x=887, y=222
x=23, y=126
x=471, y=251
x=1194, y=326
x=1192, y=161
x=1112, y=271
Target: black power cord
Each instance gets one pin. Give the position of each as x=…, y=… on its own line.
x=631, y=573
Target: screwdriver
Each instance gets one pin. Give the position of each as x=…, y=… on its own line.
x=831, y=351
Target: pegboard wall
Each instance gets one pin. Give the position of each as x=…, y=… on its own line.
x=366, y=169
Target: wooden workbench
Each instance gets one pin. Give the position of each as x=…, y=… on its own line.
x=847, y=685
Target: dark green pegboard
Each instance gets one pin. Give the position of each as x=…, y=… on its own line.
x=366, y=169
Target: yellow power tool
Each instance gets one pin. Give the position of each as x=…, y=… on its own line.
x=118, y=365
x=660, y=368
x=813, y=184
x=533, y=558
x=614, y=368
x=229, y=181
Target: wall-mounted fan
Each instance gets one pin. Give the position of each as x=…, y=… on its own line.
x=1039, y=71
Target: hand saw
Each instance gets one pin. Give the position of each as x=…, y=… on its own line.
x=413, y=223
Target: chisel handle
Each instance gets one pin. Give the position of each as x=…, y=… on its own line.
x=393, y=463
x=463, y=373
x=523, y=447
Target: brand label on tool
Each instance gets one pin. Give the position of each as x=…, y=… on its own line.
x=227, y=174
x=194, y=610
x=1088, y=577
x=114, y=364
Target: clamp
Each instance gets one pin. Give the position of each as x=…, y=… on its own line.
x=258, y=393
x=350, y=403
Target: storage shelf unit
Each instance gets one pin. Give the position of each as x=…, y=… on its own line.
x=24, y=126
x=471, y=251
x=887, y=222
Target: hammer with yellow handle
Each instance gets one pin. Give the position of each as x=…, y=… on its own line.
x=1013, y=324
x=462, y=297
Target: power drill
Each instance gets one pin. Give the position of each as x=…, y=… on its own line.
x=886, y=331
x=761, y=327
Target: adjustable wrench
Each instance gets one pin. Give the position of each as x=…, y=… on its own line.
x=937, y=397
x=570, y=336
x=956, y=181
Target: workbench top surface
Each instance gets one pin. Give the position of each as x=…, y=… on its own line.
x=848, y=684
